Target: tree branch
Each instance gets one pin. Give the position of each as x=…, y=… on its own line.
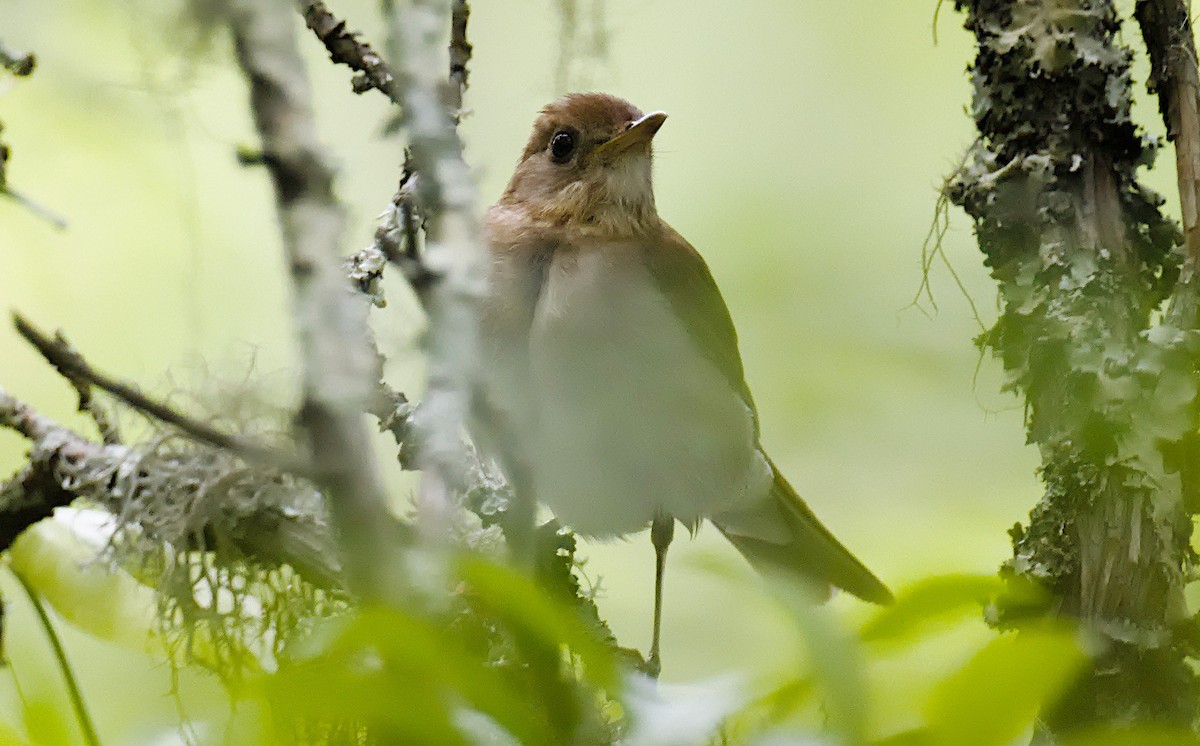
x=1167, y=30
x=453, y=247
x=64, y=466
x=16, y=62
x=460, y=53
x=338, y=365
x=79, y=372
x=345, y=48
x=1084, y=259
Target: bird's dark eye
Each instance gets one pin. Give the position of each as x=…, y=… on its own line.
x=562, y=145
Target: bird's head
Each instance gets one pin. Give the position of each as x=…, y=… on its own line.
x=587, y=166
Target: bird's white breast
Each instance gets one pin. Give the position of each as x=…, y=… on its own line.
x=632, y=420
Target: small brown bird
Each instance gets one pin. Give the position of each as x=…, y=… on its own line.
x=613, y=389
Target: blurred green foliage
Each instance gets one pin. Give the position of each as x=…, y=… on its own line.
x=803, y=157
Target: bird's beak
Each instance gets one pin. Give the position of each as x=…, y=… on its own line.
x=640, y=132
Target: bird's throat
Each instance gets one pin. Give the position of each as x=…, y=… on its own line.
x=613, y=201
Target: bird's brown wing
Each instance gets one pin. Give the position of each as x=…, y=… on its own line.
x=684, y=278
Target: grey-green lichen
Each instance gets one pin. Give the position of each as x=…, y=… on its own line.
x=1085, y=262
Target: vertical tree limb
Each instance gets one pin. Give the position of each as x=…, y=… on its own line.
x=1083, y=258
x=453, y=251
x=338, y=366
x=1167, y=30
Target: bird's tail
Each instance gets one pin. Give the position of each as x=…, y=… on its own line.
x=780, y=533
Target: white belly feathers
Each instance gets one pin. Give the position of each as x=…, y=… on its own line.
x=631, y=420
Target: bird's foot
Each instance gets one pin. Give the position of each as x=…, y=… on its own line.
x=651, y=666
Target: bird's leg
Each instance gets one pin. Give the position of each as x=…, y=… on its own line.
x=662, y=531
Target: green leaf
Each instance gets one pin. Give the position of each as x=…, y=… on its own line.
x=1146, y=735
x=61, y=566
x=998, y=693
x=835, y=656
x=775, y=706
x=921, y=606
x=402, y=674
x=519, y=603
x=918, y=737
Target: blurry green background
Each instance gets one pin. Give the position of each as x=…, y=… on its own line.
x=803, y=156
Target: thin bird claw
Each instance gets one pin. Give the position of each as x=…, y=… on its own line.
x=651, y=666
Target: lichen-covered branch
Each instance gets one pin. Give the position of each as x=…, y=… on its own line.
x=453, y=247
x=396, y=238
x=396, y=242
x=1084, y=258
x=184, y=494
x=339, y=369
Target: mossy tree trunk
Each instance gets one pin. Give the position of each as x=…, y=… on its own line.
x=1095, y=335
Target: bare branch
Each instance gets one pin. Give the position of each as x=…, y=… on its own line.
x=345, y=48
x=78, y=371
x=460, y=52
x=338, y=365
x=43, y=212
x=21, y=65
x=396, y=238
x=1167, y=30
x=17, y=63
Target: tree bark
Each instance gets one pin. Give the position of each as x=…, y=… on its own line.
x=1085, y=262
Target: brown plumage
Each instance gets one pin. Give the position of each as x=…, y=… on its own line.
x=613, y=383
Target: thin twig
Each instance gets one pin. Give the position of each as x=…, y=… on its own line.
x=43, y=212
x=345, y=48
x=400, y=220
x=566, y=44
x=583, y=43
x=106, y=424
x=17, y=63
x=21, y=64
x=75, y=368
x=460, y=53
x=86, y=727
